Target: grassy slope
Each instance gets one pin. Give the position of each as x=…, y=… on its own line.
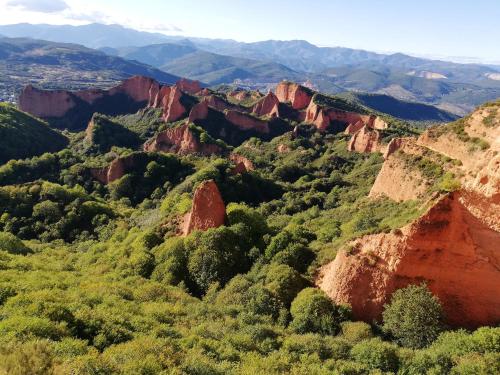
x=22, y=135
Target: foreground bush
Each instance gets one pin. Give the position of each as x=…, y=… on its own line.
x=313, y=311
x=413, y=317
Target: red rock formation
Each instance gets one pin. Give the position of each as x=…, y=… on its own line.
x=169, y=100
x=377, y=123
x=115, y=170
x=56, y=103
x=188, y=86
x=180, y=140
x=317, y=116
x=365, y=140
x=199, y=111
x=354, y=127
x=267, y=106
x=289, y=92
x=138, y=88
x=282, y=148
x=394, y=145
x=45, y=104
x=322, y=117
x=218, y=103
x=246, y=122
x=448, y=247
x=207, y=210
x=243, y=165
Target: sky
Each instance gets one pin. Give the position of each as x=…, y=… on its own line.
x=456, y=29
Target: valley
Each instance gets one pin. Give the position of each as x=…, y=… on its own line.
x=234, y=231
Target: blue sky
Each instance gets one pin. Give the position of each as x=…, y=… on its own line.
x=443, y=28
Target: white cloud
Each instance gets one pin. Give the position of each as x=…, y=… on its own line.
x=156, y=27
x=88, y=16
x=40, y=6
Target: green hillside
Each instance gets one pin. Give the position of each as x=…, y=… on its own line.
x=404, y=110
x=214, y=69
x=23, y=136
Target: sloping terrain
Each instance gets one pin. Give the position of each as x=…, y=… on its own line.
x=454, y=245
x=23, y=136
x=405, y=110
x=186, y=236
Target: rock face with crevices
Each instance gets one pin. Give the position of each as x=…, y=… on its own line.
x=365, y=140
x=188, y=86
x=180, y=140
x=298, y=96
x=267, y=106
x=454, y=247
x=449, y=248
x=48, y=104
x=115, y=170
x=242, y=164
x=207, y=210
x=244, y=121
x=168, y=100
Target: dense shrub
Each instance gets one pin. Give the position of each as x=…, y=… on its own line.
x=313, y=311
x=12, y=244
x=376, y=354
x=413, y=317
x=284, y=282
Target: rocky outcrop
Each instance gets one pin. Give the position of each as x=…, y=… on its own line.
x=398, y=181
x=207, y=210
x=323, y=117
x=48, y=104
x=282, y=148
x=198, y=112
x=115, y=170
x=242, y=164
x=453, y=246
x=449, y=248
x=169, y=100
x=188, y=86
x=244, y=121
x=267, y=106
x=354, y=127
x=138, y=88
x=298, y=96
x=394, y=145
x=242, y=95
x=180, y=140
x=365, y=140
x=218, y=103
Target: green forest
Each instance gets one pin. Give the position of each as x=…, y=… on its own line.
x=94, y=279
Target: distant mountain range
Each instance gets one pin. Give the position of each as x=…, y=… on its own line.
x=61, y=65
x=454, y=87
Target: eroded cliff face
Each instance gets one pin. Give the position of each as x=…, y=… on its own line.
x=298, y=96
x=115, y=170
x=188, y=86
x=244, y=121
x=267, y=106
x=48, y=104
x=207, y=211
x=454, y=246
x=365, y=140
x=45, y=104
x=179, y=140
x=449, y=248
x=242, y=164
x=323, y=117
x=169, y=100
